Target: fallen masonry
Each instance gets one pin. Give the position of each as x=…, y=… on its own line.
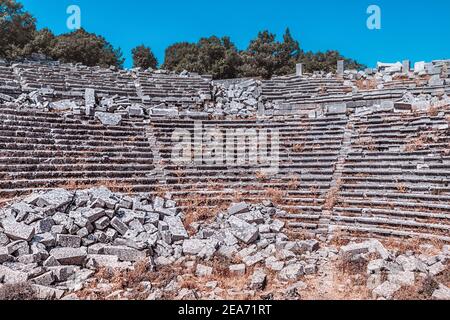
x=363, y=173
x=96, y=229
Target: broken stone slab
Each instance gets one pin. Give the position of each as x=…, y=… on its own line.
x=45, y=279
x=243, y=231
x=44, y=225
x=203, y=271
x=276, y=226
x=102, y=223
x=95, y=261
x=69, y=256
x=201, y=247
x=51, y=262
x=435, y=80
x=17, y=231
x=291, y=272
x=237, y=269
x=109, y=119
x=63, y=105
x=442, y=293
x=47, y=293
x=63, y=273
x=251, y=260
x=57, y=199
x=5, y=255
x=347, y=252
x=338, y=108
x=169, y=112
x=376, y=266
x=251, y=217
x=93, y=215
x=125, y=253
x=10, y=276
x=89, y=100
x=68, y=241
x=176, y=228
x=405, y=278
x=241, y=207
x=437, y=269
x=135, y=110
x=307, y=246
x=22, y=210
x=47, y=239
x=119, y=226
x=258, y=280
x=5, y=97
x=386, y=290
x=18, y=248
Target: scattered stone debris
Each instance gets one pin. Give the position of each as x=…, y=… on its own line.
x=56, y=241
x=237, y=97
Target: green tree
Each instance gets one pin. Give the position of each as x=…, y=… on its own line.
x=86, y=48
x=181, y=56
x=218, y=57
x=43, y=42
x=327, y=61
x=261, y=57
x=144, y=58
x=288, y=55
x=17, y=28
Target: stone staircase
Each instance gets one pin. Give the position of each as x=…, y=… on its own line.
x=395, y=179
x=46, y=150
x=386, y=173
x=309, y=149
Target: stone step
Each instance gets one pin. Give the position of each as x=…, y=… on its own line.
x=393, y=204
x=419, y=177
x=58, y=156
x=390, y=232
x=110, y=174
x=37, y=184
x=390, y=213
x=394, y=187
x=42, y=167
x=395, y=195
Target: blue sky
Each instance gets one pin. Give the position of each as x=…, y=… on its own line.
x=415, y=30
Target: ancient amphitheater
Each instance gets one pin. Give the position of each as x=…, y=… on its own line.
x=362, y=156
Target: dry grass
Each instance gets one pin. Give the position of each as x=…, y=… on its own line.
x=433, y=111
x=277, y=196
x=261, y=176
x=401, y=188
x=418, y=143
x=112, y=185
x=294, y=183
x=368, y=143
x=366, y=84
x=332, y=196
x=421, y=290
x=299, y=147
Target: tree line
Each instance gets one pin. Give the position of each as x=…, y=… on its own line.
x=264, y=57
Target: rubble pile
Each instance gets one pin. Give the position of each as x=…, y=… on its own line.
x=431, y=74
x=388, y=272
x=57, y=239
x=239, y=98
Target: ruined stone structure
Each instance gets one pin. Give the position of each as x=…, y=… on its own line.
x=361, y=153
